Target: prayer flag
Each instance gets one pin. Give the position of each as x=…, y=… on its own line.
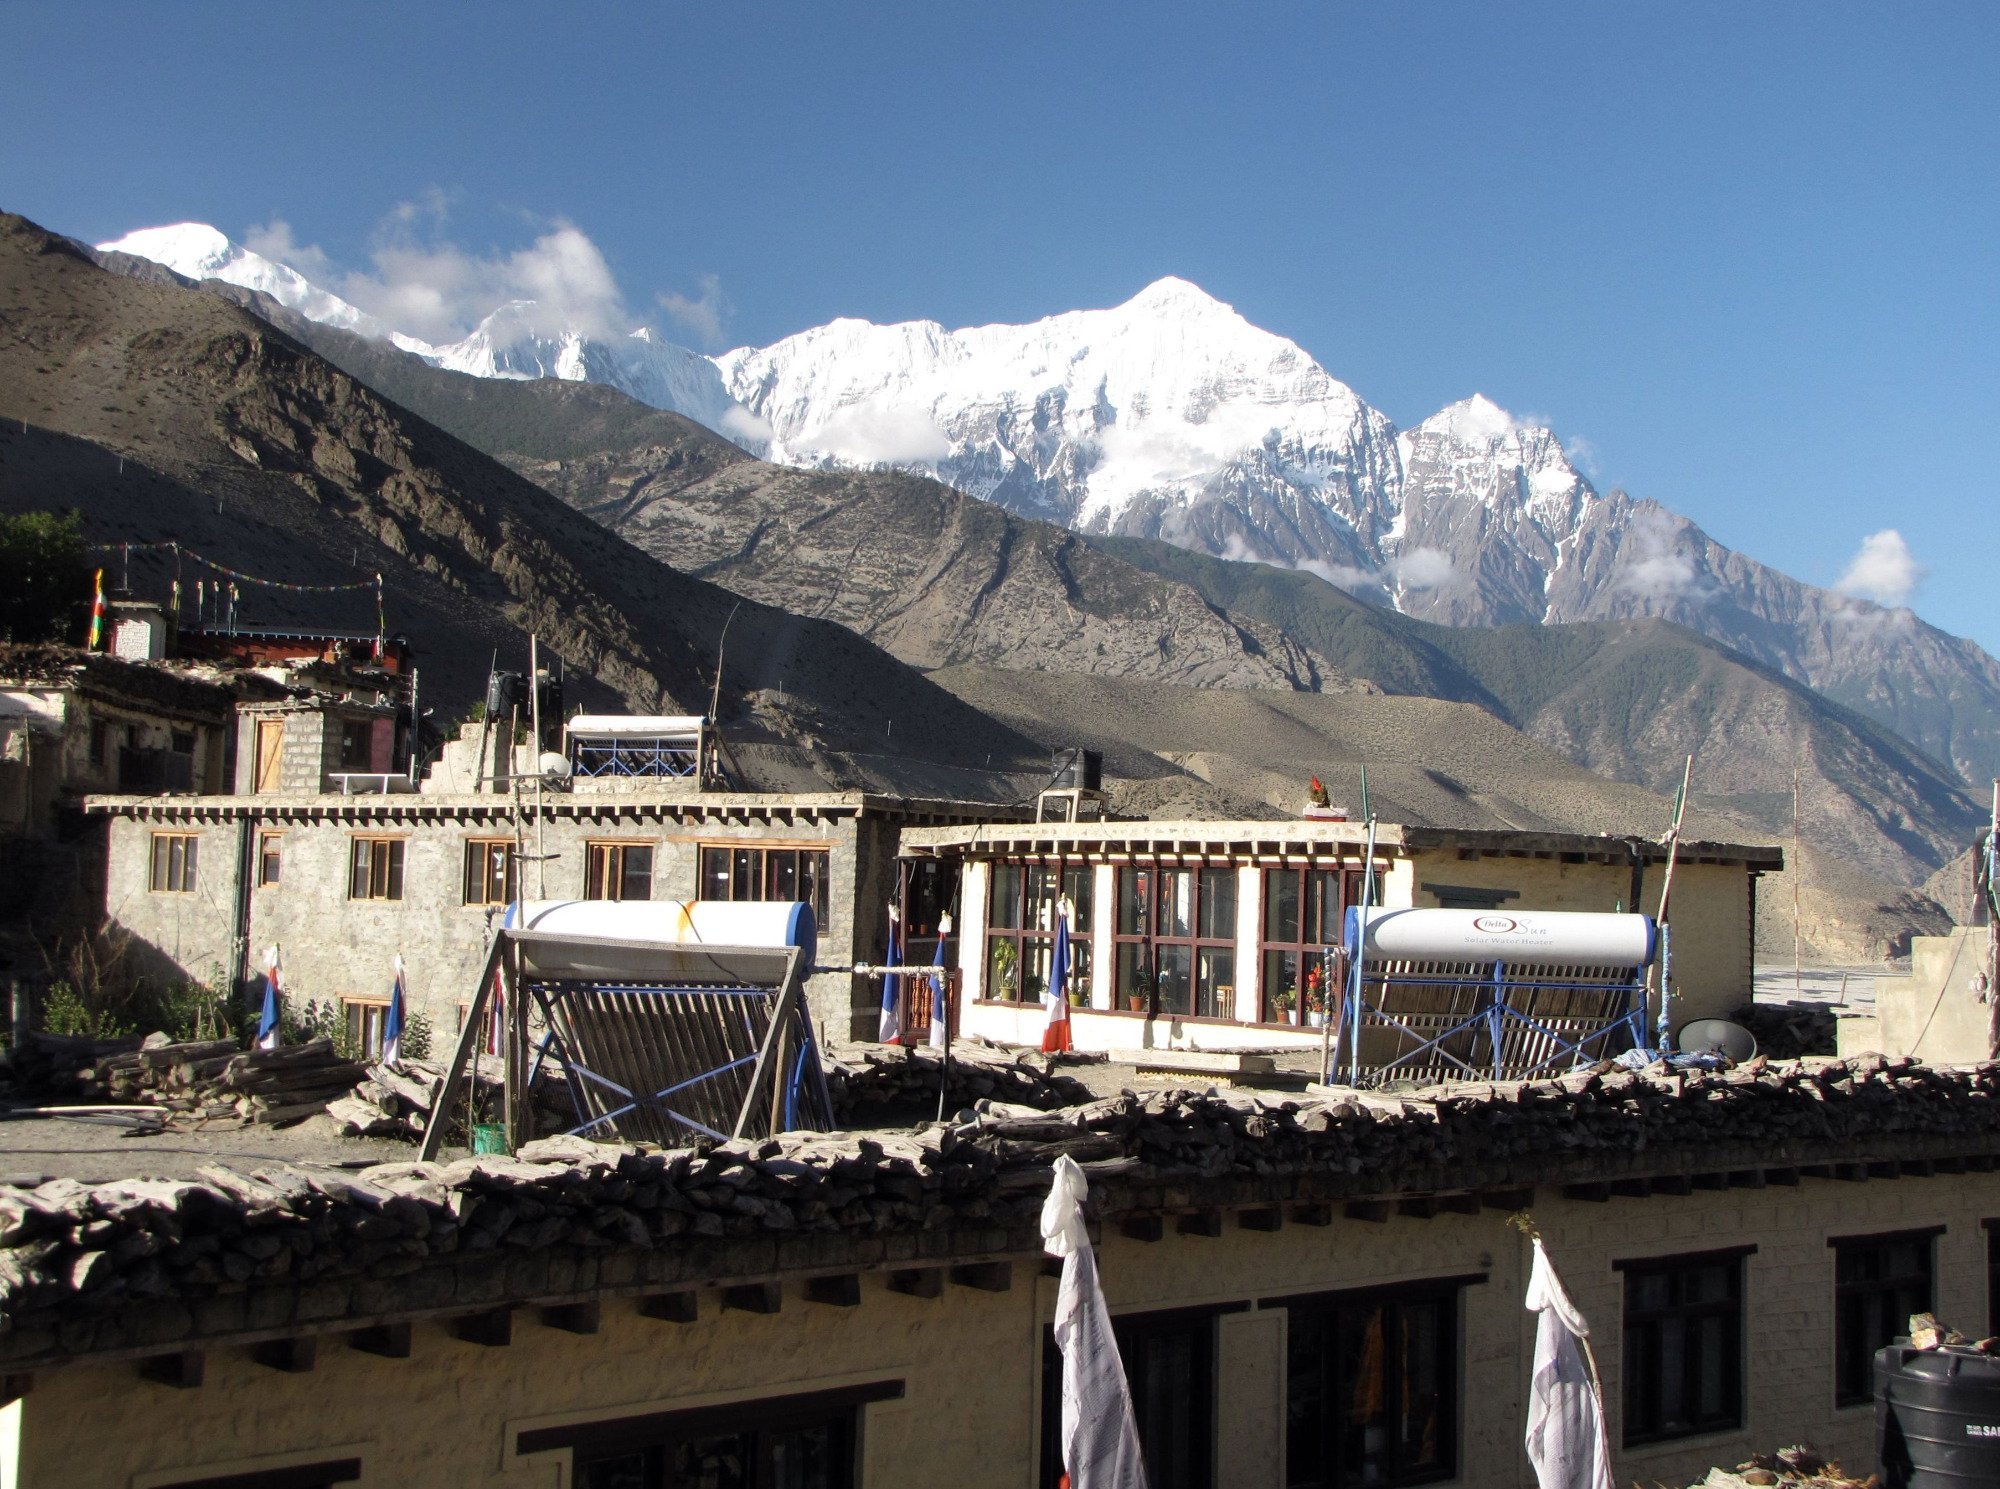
x=1566, y=1440
x=96, y=612
x=392, y=1026
x=269, y=1032
x=940, y=1011
x=1056, y=1037
x=890, y=1030
x=1100, y=1436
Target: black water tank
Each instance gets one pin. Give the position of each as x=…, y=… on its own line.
x=505, y=690
x=1937, y=1417
x=1074, y=767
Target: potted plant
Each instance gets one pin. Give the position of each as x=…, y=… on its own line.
x=1282, y=1002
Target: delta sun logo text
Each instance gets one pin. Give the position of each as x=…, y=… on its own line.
x=1496, y=925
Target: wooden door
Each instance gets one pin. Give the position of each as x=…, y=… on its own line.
x=270, y=757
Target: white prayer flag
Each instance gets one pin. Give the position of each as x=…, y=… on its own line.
x=1100, y=1438
x=1566, y=1438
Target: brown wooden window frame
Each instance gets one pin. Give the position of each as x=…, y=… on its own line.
x=270, y=858
x=367, y=1023
x=480, y=873
x=174, y=865
x=755, y=873
x=1021, y=927
x=1346, y=883
x=606, y=873
x=380, y=878
x=1136, y=970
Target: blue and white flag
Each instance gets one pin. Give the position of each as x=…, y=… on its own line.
x=268, y=1032
x=392, y=1026
x=1055, y=997
x=891, y=1028
x=940, y=1013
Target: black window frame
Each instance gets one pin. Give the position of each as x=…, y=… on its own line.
x=609, y=873
x=1992, y=1229
x=649, y=1434
x=1138, y=1334
x=1650, y=1343
x=755, y=873
x=356, y=750
x=1447, y=1295
x=1863, y=1306
x=297, y=1476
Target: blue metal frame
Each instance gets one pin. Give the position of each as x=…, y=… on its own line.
x=661, y=755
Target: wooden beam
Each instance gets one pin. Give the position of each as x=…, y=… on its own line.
x=1459, y=1204
x=1916, y=1168
x=841, y=1290
x=1200, y=1223
x=493, y=1328
x=1269, y=1218
x=183, y=1370
x=1676, y=1184
x=754, y=1297
x=986, y=1277
x=1888, y=1170
x=1710, y=1181
x=1632, y=1188
x=918, y=1282
x=574, y=1318
x=1785, y=1176
x=1312, y=1214
x=1418, y=1207
x=1747, y=1178
x=1596, y=1194
x=1142, y=1227
x=294, y=1356
x=1508, y=1199
x=674, y=1308
x=1373, y=1210
x=391, y=1341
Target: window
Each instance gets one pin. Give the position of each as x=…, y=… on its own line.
x=732, y=873
x=99, y=732
x=1169, y=1361
x=1992, y=1278
x=367, y=1023
x=1878, y=1282
x=182, y=741
x=356, y=744
x=1304, y=913
x=173, y=862
x=270, y=858
x=618, y=871
x=1177, y=941
x=1683, y=1345
x=1372, y=1386
x=1021, y=928
x=293, y=1476
x=794, y=1442
x=490, y=877
x=377, y=869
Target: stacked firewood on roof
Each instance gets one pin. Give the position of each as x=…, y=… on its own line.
x=1800, y=1467
x=213, y=1079
x=868, y=1082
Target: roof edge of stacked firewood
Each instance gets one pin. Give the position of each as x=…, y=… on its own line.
x=83, y=1268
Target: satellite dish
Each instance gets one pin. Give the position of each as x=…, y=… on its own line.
x=1717, y=1037
x=554, y=764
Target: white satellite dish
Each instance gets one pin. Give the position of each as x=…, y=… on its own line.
x=554, y=764
x=1717, y=1037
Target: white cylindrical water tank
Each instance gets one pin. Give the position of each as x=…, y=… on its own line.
x=1541, y=937
x=718, y=922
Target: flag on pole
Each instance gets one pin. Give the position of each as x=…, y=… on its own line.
x=1100, y=1437
x=940, y=1011
x=392, y=1026
x=96, y=612
x=1566, y=1440
x=890, y=1031
x=268, y=1030
x=1056, y=995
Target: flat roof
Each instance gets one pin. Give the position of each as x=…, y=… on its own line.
x=1262, y=838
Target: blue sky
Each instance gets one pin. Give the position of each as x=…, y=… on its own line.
x=1746, y=254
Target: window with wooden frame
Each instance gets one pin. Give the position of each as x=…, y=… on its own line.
x=1372, y=1385
x=174, y=855
x=1992, y=1279
x=375, y=869
x=356, y=744
x=1176, y=941
x=1304, y=913
x=293, y=1476
x=1878, y=1282
x=367, y=1025
x=754, y=871
x=491, y=876
x=807, y=1441
x=270, y=858
x=618, y=871
x=1169, y=1360
x=1021, y=928
x=1683, y=1345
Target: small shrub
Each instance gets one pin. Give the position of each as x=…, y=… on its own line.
x=416, y=1037
x=65, y=1011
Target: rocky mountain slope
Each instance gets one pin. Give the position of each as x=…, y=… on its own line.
x=1172, y=417
x=165, y=413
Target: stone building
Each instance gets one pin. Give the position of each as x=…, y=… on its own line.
x=1313, y=1292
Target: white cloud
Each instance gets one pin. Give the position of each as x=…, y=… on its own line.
x=872, y=434
x=274, y=240
x=739, y=423
x=1583, y=455
x=1426, y=568
x=1884, y=570
x=703, y=316
x=1656, y=567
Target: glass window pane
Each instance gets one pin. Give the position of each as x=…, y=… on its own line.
x=1281, y=987
x=1134, y=990
x=1215, y=983
x=1175, y=976
x=1079, y=881
x=1003, y=968
x=1176, y=902
x=1005, y=910
x=1323, y=924
x=725, y=1460
x=1281, y=904
x=1218, y=905
x=1135, y=902
x=1041, y=897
